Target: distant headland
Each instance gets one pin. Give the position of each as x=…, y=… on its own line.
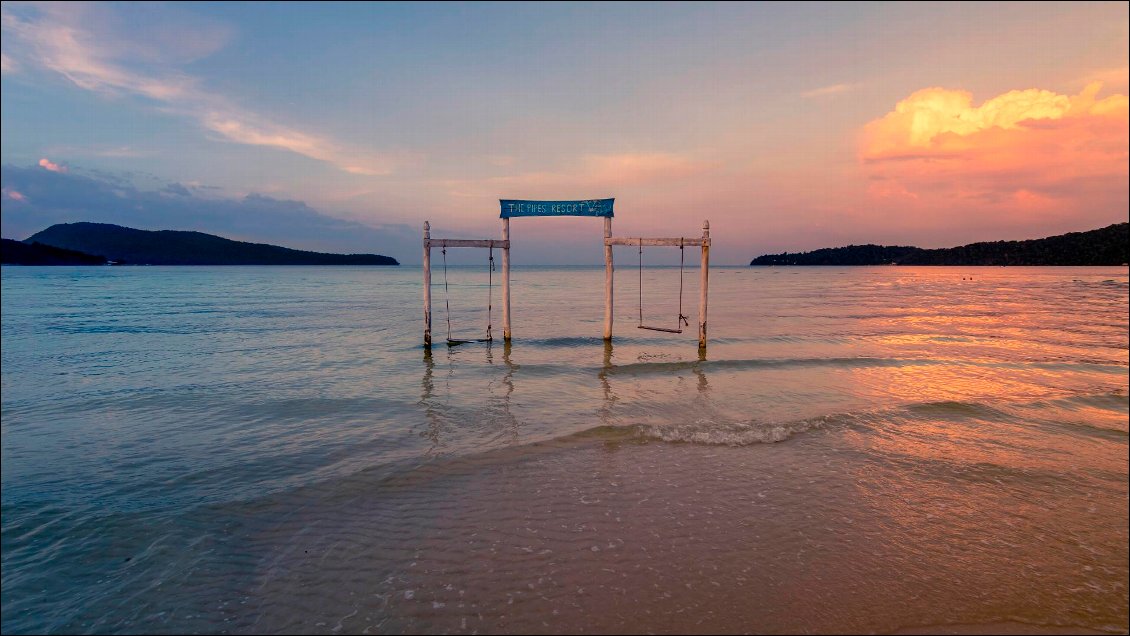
x=102, y=243
x=1106, y=246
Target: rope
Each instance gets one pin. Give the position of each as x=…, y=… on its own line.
x=490, y=297
x=490, y=289
x=446, y=293
x=641, y=282
x=681, y=318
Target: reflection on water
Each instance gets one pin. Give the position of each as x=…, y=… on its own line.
x=271, y=450
x=609, y=370
x=442, y=417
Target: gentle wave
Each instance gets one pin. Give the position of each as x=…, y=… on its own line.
x=661, y=368
x=712, y=432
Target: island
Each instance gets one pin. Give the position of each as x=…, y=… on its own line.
x=123, y=245
x=1105, y=246
x=20, y=253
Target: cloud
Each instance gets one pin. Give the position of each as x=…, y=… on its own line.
x=828, y=90
x=635, y=168
x=116, y=151
x=938, y=121
x=47, y=164
x=86, y=45
x=45, y=198
x=1024, y=157
x=176, y=189
x=1113, y=78
x=248, y=129
x=6, y=64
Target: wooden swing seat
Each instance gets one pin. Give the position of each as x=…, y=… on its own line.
x=455, y=342
x=659, y=329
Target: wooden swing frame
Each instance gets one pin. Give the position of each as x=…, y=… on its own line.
x=562, y=209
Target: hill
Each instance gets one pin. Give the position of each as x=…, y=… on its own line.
x=171, y=247
x=17, y=253
x=1106, y=246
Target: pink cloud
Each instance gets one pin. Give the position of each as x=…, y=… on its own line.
x=14, y=195
x=47, y=164
x=633, y=168
x=834, y=89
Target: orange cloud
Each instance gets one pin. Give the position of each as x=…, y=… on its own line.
x=1026, y=154
x=938, y=121
x=47, y=164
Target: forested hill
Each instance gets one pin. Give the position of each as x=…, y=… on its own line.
x=19, y=253
x=1106, y=246
x=170, y=247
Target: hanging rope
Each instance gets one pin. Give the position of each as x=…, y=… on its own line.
x=490, y=289
x=681, y=320
x=447, y=300
x=446, y=294
x=641, y=283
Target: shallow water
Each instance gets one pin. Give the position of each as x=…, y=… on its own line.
x=271, y=450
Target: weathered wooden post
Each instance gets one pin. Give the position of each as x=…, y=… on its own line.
x=428, y=285
x=506, y=281
x=705, y=281
x=607, y=279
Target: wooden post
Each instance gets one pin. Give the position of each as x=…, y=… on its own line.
x=427, y=286
x=607, y=279
x=704, y=275
x=506, y=282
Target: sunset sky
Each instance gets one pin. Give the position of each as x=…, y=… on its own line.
x=343, y=127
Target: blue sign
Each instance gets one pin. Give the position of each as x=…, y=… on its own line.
x=589, y=207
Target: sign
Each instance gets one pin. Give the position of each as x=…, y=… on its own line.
x=588, y=207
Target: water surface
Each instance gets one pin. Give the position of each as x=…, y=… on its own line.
x=243, y=449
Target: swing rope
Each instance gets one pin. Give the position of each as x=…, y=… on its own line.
x=641, y=284
x=446, y=294
x=447, y=300
x=681, y=320
x=490, y=289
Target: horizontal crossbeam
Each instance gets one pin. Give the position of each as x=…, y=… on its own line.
x=665, y=242
x=437, y=242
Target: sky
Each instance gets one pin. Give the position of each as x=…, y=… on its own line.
x=789, y=126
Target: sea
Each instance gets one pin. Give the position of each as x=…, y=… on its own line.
x=273, y=450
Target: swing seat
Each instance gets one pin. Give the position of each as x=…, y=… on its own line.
x=455, y=342
x=659, y=329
